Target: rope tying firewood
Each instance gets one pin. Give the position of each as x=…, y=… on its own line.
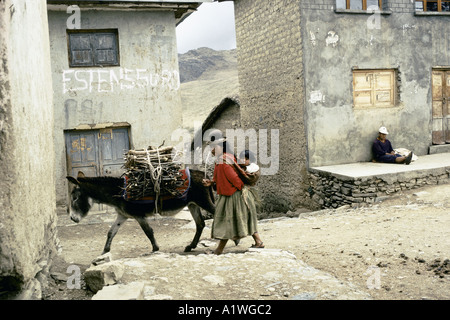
x=152, y=172
x=156, y=175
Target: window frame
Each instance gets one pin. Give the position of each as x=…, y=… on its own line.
x=364, y=5
x=393, y=100
x=93, y=48
x=424, y=2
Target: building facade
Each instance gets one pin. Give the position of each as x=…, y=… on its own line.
x=329, y=73
x=115, y=80
x=370, y=68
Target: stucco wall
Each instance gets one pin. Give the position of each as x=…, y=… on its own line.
x=27, y=194
x=270, y=67
x=146, y=95
x=396, y=38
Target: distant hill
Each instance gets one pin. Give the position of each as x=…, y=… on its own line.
x=207, y=76
x=196, y=64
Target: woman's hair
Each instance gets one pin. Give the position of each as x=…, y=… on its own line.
x=227, y=148
x=247, y=154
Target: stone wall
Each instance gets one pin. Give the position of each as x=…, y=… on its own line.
x=270, y=68
x=332, y=191
x=27, y=190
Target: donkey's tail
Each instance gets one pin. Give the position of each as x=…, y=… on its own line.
x=210, y=201
x=211, y=195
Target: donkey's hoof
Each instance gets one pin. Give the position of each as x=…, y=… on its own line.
x=104, y=258
x=155, y=249
x=188, y=249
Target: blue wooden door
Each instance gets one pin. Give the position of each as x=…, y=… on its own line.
x=96, y=152
x=113, y=144
x=82, y=153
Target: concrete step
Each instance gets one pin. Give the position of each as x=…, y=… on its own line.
x=439, y=148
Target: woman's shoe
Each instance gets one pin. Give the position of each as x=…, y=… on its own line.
x=260, y=246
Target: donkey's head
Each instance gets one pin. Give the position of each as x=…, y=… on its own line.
x=80, y=203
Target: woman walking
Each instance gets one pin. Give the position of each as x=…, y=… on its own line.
x=235, y=215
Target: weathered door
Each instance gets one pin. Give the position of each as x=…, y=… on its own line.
x=82, y=153
x=113, y=143
x=441, y=106
x=96, y=152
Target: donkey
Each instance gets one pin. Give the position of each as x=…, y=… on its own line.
x=107, y=190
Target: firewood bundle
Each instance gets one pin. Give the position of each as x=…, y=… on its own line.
x=152, y=173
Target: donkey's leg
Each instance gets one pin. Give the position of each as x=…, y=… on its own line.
x=112, y=232
x=200, y=224
x=148, y=231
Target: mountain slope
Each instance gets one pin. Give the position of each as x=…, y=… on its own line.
x=203, y=62
x=207, y=76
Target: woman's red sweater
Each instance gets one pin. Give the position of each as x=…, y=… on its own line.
x=226, y=179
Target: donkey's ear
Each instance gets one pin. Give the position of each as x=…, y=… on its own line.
x=73, y=180
x=81, y=175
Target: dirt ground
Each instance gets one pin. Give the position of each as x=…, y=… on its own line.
x=398, y=249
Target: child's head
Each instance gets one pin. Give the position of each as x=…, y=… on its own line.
x=247, y=157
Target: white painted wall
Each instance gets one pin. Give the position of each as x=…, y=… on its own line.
x=27, y=194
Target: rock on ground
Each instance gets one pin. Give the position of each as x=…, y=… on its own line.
x=256, y=274
x=131, y=291
x=96, y=277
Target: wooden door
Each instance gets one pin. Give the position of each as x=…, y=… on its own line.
x=113, y=144
x=82, y=153
x=96, y=152
x=441, y=106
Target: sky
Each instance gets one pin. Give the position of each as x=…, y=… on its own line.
x=212, y=26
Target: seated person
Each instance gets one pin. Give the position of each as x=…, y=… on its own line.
x=384, y=152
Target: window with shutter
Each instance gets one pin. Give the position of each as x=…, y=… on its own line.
x=80, y=49
x=93, y=48
x=374, y=88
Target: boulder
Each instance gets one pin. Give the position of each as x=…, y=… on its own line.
x=131, y=291
x=96, y=277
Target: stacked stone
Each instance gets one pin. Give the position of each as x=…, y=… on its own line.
x=328, y=191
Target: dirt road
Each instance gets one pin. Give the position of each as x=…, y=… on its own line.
x=396, y=249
